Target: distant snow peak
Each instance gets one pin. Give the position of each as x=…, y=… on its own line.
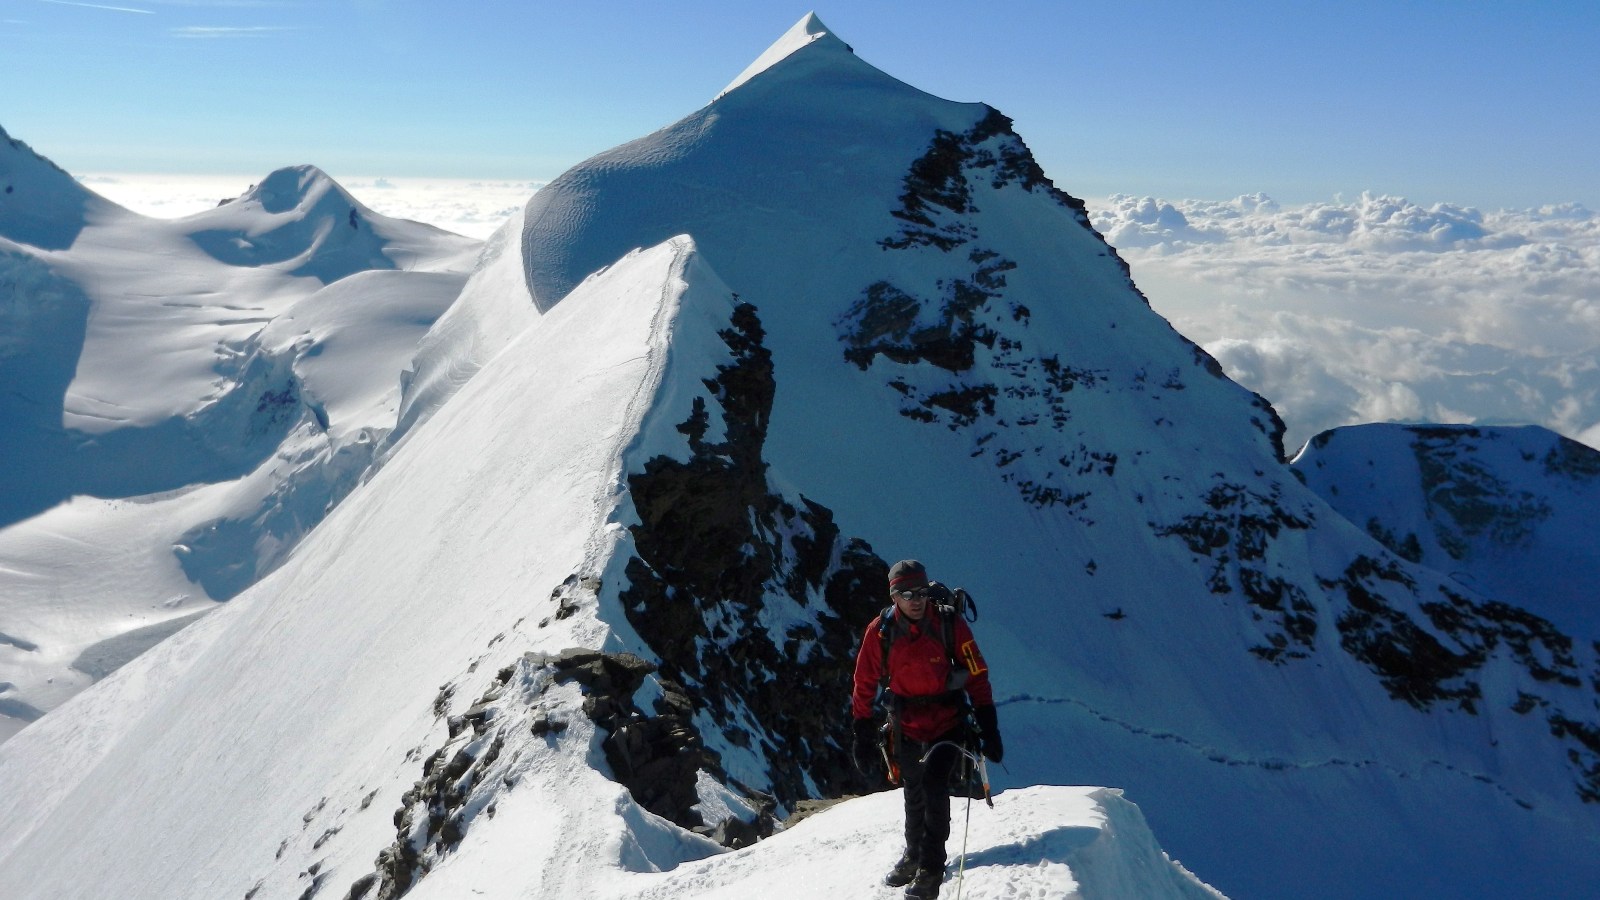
x=312, y=226
x=805, y=32
x=294, y=186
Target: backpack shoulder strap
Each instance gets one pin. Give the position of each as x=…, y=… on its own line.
x=885, y=638
x=947, y=623
x=948, y=605
x=949, y=619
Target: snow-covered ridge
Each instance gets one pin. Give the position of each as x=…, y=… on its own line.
x=506, y=740
x=41, y=206
x=1040, y=841
x=551, y=468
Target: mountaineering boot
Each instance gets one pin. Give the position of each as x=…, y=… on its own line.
x=903, y=871
x=926, y=884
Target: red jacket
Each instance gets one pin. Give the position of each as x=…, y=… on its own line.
x=919, y=667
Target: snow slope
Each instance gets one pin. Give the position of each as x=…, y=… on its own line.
x=361, y=583
x=40, y=204
x=1506, y=511
x=185, y=398
x=686, y=416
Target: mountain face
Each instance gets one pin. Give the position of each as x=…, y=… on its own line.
x=1143, y=484
x=604, y=595
x=184, y=400
x=1504, y=511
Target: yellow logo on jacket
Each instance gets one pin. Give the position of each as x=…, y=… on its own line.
x=970, y=656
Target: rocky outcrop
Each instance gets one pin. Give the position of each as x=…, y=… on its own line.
x=980, y=369
x=458, y=783
x=1233, y=534
x=717, y=549
x=942, y=179
x=1465, y=499
x=1442, y=659
x=656, y=757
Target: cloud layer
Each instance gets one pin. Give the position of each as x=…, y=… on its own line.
x=1379, y=309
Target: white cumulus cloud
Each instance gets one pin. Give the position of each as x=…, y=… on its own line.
x=1378, y=309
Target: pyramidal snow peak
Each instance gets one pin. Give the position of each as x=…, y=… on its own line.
x=592, y=621
x=806, y=31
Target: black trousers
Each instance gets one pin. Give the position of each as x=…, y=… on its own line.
x=926, y=786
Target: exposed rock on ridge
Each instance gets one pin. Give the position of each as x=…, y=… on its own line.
x=716, y=547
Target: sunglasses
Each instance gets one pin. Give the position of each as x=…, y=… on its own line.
x=911, y=593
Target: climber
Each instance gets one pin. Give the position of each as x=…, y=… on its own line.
x=923, y=655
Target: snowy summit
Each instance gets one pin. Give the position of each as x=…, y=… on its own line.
x=546, y=562
x=806, y=31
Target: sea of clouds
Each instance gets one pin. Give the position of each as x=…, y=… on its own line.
x=1367, y=310
x=1377, y=309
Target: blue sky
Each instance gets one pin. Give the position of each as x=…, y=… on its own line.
x=1487, y=103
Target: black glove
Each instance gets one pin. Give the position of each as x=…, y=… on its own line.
x=864, y=745
x=989, y=733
